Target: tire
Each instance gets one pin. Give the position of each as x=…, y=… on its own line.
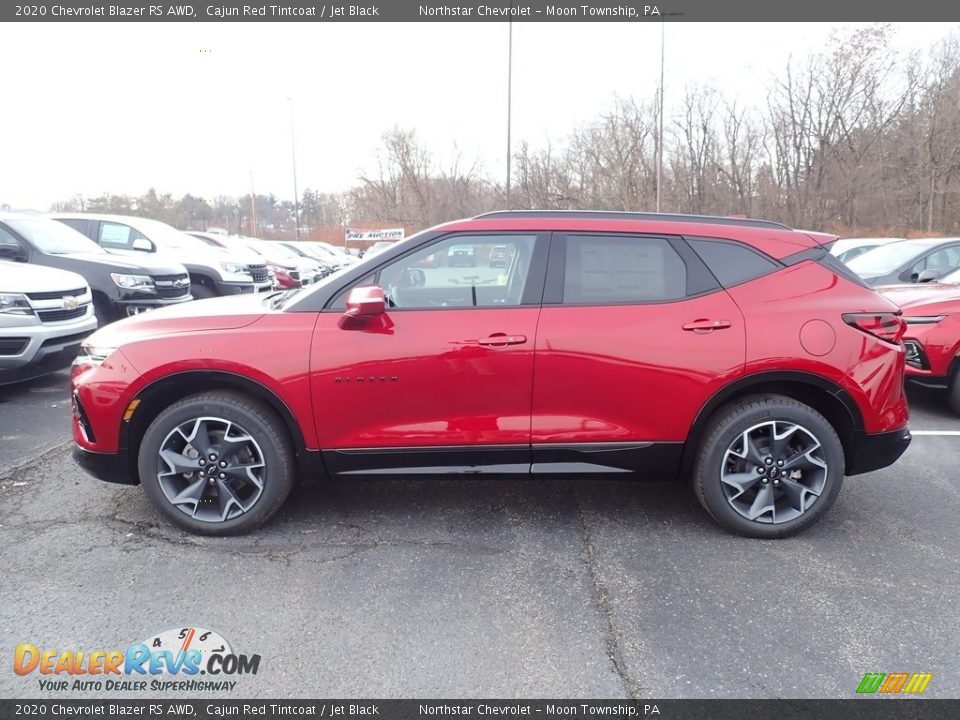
x=729, y=485
x=102, y=311
x=953, y=391
x=201, y=291
x=258, y=435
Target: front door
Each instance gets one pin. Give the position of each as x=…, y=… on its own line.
x=443, y=380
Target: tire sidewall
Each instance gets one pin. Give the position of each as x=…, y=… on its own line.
x=276, y=484
x=711, y=487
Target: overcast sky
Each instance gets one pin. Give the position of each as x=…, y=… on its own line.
x=121, y=107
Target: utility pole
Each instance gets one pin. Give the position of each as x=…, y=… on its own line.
x=253, y=208
x=509, y=100
x=663, y=26
x=293, y=150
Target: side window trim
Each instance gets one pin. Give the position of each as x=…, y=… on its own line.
x=698, y=275
x=532, y=291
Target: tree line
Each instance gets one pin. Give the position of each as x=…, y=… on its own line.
x=854, y=138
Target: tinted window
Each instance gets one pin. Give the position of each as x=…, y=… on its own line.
x=10, y=248
x=52, y=237
x=731, y=262
x=459, y=272
x=943, y=261
x=606, y=269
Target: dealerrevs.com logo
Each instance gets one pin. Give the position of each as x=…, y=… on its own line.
x=173, y=660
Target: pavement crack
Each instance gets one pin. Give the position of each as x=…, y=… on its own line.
x=611, y=634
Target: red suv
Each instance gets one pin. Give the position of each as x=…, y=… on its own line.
x=738, y=353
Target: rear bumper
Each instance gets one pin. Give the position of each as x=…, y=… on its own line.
x=877, y=451
x=109, y=467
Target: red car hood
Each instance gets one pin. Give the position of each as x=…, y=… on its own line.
x=224, y=313
x=919, y=295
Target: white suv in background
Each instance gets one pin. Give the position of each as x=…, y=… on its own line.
x=44, y=316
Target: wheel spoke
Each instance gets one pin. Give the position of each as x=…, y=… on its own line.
x=741, y=481
x=226, y=499
x=244, y=472
x=750, y=452
x=179, y=463
x=229, y=446
x=763, y=503
x=199, y=437
x=779, y=442
x=804, y=461
x=796, y=494
x=190, y=495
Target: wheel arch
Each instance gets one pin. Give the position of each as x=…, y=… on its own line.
x=823, y=395
x=167, y=390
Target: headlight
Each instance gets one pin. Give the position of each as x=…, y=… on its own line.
x=235, y=268
x=15, y=304
x=93, y=355
x=133, y=282
x=924, y=319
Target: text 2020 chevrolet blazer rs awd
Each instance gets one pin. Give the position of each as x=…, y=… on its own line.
x=738, y=353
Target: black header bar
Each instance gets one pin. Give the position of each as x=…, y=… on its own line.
x=493, y=11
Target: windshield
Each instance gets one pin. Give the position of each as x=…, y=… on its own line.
x=163, y=234
x=887, y=258
x=274, y=250
x=53, y=237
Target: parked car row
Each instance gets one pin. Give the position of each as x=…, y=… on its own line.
x=122, y=266
x=922, y=277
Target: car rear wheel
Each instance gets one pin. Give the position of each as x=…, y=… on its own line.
x=768, y=467
x=217, y=463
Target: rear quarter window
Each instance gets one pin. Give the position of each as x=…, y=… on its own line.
x=733, y=263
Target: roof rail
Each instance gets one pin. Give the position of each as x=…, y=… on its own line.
x=626, y=215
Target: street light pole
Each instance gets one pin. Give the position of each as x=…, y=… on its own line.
x=663, y=26
x=293, y=151
x=509, y=100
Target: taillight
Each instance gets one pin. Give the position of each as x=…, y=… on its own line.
x=886, y=326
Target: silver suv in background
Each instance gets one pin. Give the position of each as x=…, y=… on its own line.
x=44, y=316
x=213, y=271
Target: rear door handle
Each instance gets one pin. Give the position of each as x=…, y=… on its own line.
x=502, y=339
x=706, y=325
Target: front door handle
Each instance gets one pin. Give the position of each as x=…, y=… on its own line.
x=706, y=325
x=502, y=340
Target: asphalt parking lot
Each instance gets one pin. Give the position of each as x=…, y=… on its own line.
x=449, y=588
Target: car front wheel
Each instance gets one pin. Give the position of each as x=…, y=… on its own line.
x=768, y=467
x=217, y=463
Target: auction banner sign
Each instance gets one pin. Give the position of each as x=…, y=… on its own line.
x=391, y=235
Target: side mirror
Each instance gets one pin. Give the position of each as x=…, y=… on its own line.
x=928, y=275
x=143, y=245
x=366, y=302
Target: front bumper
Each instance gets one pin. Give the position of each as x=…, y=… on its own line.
x=136, y=303
x=877, y=451
x=242, y=288
x=109, y=467
x=48, y=347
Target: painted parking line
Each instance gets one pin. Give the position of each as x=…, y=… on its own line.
x=949, y=433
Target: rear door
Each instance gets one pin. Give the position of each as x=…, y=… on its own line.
x=634, y=336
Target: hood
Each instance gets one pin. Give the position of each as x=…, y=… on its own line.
x=222, y=313
x=22, y=278
x=919, y=295
x=138, y=262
